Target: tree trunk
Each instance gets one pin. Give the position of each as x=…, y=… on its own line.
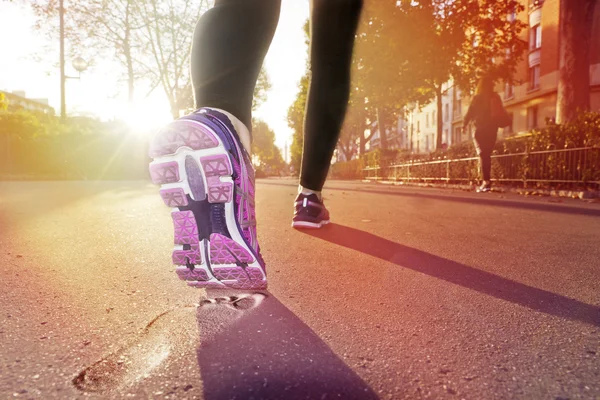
x=174, y=108
x=440, y=116
x=364, y=140
x=347, y=150
x=130, y=73
x=412, y=130
x=381, y=126
x=362, y=143
x=576, y=20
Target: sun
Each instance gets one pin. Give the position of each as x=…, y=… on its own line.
x=146, y=117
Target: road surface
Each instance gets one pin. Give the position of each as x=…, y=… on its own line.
x=410, y=293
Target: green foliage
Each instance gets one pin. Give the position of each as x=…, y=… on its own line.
x=494, y=46
x=379, y=157
x=3, y=102
x=295, y=116
x=266, y=156
x=263, y=85
x=354, y=126
x=22, y=124
x=38, y=146
x=347, y=170
x=295, y=119
x=582, y=131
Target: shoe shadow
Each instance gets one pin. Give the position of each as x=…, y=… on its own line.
x=253, y=347
x=459, y=274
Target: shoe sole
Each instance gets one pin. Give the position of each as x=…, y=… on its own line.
x=308, y=225
x=194, y=170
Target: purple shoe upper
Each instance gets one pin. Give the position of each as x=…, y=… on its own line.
x=308, y=208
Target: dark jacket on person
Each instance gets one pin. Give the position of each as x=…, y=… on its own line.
x=480, y=111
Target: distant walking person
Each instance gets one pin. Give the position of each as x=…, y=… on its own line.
x=487, y=112
x=202, y=161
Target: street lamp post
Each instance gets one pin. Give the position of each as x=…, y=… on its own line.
x=63, y=101
x=79, y=63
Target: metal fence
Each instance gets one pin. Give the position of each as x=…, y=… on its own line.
x=567, y=166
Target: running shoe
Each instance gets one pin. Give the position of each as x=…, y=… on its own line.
x=207, y=179
x=310, y=212
x=485, y=187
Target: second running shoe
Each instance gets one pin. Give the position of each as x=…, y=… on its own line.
x=310, y=212
x=207, y=179
x=486, y=186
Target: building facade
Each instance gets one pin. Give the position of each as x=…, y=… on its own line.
x=420, y=123
x=17, y=100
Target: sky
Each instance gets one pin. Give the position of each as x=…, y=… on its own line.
x=101, y=92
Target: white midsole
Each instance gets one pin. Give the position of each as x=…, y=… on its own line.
x=305, y=224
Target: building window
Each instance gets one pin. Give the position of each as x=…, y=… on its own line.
x=532, y=117
x=434, y=118
x=534, y=77
x=509, y=91
x=446, y=112
x=418, y=126
x=535, y=37
x=426, y=120
x=427, y=143
x=457, y=135
x=457, y=108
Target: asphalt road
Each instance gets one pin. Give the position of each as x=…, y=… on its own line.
x=409, y=294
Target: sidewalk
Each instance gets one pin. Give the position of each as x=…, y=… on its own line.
x=593, y=195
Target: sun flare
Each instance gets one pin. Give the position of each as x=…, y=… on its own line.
x=146, y=117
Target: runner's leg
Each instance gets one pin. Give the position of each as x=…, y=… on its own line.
x=230, y=44
x=333, y=26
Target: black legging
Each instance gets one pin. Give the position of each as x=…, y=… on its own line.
x=230, y=43
x=485, y=140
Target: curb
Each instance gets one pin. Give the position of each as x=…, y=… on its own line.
x=573, y=194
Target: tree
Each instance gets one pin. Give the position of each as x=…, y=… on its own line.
x=263, y=85
x=167, y=34
x=576, y=23
x=295, y=115
x=412, y=49
x=354, y=126
x=266, y=156
x=295, y=119
x=111, y=25
x=377, y=67
x=95, y=26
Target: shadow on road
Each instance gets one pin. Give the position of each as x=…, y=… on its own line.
x=483, y=199
x=460, y=274
x=263, y=351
